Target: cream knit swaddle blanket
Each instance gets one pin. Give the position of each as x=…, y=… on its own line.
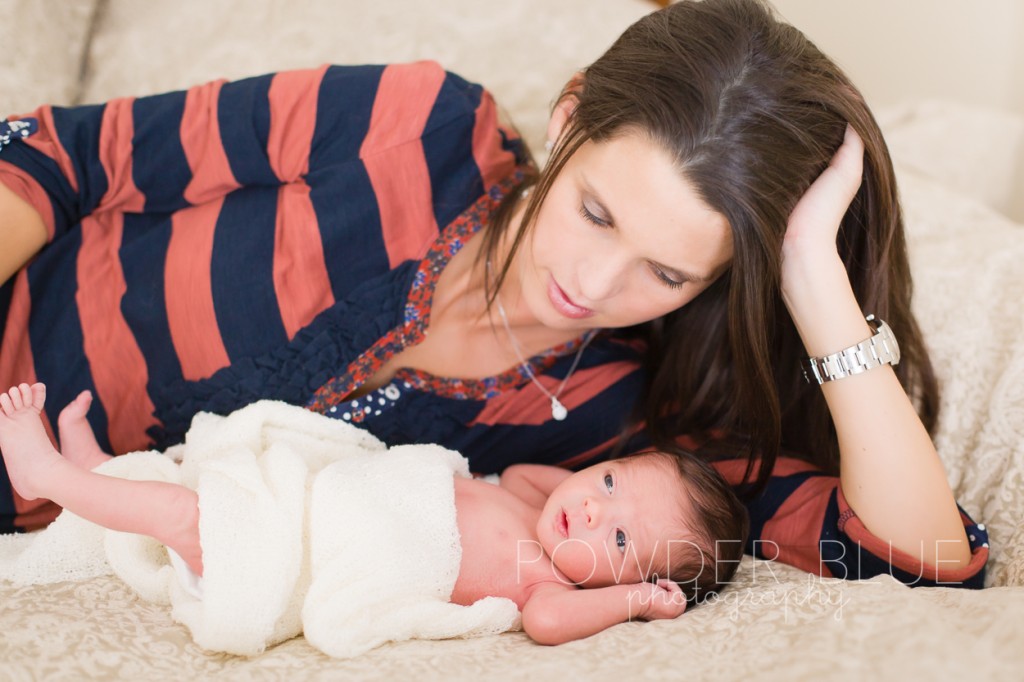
x=308, y=525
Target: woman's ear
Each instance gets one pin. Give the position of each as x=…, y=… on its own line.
x=565, y=107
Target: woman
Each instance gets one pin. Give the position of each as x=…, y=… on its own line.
x=693, y=236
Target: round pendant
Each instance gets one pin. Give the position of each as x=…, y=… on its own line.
x=558, y=410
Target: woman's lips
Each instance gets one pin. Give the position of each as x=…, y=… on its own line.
x=565, y=305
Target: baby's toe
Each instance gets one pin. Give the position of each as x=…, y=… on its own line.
x=38, y=396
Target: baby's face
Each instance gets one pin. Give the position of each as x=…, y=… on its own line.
x=612, y=522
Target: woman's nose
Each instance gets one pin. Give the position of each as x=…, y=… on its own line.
x=601, y=277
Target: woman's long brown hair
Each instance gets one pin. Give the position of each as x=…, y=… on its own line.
x=752, y=112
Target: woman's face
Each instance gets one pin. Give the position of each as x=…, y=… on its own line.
x=621, y=238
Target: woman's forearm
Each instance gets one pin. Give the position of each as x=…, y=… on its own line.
x=22, y=233
x=890, y=473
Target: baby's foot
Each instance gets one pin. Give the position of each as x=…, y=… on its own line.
x=77, y=440
x=27, y=450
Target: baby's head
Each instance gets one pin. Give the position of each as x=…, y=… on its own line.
x=647, y=516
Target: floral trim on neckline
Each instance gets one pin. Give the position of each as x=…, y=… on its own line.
x=17, y=130
x=417, y=319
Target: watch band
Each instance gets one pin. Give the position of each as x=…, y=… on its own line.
x=880, y=349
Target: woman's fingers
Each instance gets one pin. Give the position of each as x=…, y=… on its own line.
x=814, y=222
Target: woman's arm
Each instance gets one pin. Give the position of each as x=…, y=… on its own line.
x=22, y=232
x=556, y=613
x=890, y=473
x=803, y=519
x=166, y=152
x=533, y=483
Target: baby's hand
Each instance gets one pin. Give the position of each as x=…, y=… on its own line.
x=661, y=600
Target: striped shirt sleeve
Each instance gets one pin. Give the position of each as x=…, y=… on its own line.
x=163, y=153
x=802, y=519
x=149, y=154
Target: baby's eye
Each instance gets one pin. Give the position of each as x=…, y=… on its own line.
x=608, y=482
x=620, y=540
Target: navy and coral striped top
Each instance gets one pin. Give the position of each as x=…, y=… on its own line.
x=280, y=237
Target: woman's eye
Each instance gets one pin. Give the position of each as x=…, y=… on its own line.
x=591, y=218
x=609, y=482
x=620, y=540
x=667, y=279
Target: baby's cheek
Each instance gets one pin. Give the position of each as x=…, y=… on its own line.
x=575, y=559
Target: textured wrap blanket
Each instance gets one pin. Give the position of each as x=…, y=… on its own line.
x=307, y=525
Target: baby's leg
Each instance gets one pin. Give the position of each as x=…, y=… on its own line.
x=26, y=448
x=165, y=511
x=77, y=441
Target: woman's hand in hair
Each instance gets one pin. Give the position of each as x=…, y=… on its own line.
x=813, y=274
x=810, y=240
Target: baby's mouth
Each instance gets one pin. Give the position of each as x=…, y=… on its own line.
x=563, y=524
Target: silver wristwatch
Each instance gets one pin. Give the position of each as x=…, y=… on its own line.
x=880, y=349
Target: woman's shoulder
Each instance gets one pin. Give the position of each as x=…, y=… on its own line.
x=421, y=117
x=424, y=85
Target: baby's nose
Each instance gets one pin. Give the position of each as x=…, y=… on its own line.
x=592, y=510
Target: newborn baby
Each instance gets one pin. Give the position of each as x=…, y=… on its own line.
x=633, y=538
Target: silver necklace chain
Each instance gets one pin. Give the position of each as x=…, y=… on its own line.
x=558, y=411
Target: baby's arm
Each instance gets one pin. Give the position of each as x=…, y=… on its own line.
x=533, y=483
x=556, y=613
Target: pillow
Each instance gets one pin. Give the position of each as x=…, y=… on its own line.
x=968, y=288
x=974, y=150
x=42, y=49
x=523, y=51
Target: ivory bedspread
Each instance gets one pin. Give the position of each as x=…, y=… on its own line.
x=957, y=167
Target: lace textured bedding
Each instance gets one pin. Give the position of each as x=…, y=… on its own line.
x=775, y=622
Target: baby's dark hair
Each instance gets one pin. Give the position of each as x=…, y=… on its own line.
x=714, y=527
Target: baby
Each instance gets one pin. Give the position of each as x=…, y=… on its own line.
x=643, y=535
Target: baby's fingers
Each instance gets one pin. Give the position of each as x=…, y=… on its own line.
x=668, y=600
x=669, y=585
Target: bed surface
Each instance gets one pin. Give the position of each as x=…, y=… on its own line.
x=777, y=624
x=953, y=162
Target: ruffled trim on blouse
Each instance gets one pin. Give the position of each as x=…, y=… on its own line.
x=358, y=333
x=293, y=372
x=417, y=320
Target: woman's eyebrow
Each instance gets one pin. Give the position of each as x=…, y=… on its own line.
x=610, y=219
